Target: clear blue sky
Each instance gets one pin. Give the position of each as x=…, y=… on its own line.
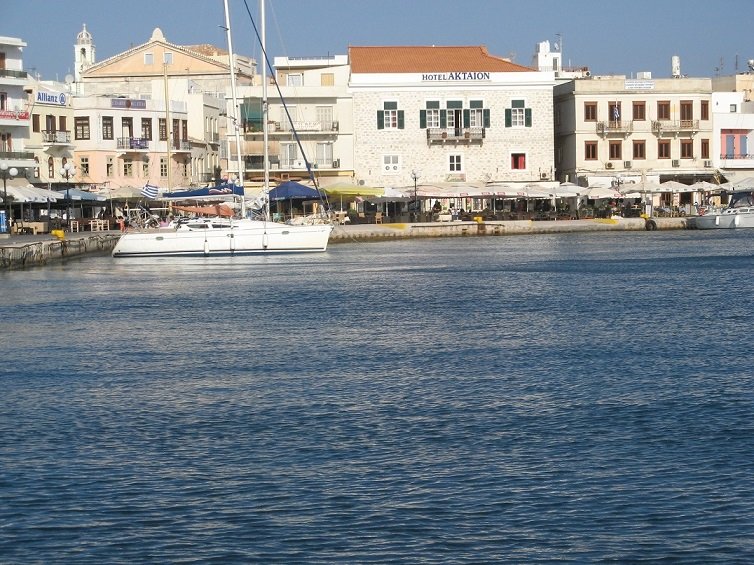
x=608, y=37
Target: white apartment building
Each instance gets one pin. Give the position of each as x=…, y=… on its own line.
x=614, y=129
x=313, y=103
x=449, y=114
x=15, y=117
x=733, y=122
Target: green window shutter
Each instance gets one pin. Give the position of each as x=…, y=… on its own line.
x=390, y=105
x=433, y=105
x=466, y=118
x=422, y=119
x=517, y=104
x=476, y=104
x=443, y=118
x=400, y=119
x=527, y=117
x=380, y=119
x=508, y=119
x=486, y=113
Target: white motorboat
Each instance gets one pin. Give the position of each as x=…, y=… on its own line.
x=222, y=236
x=738, y=214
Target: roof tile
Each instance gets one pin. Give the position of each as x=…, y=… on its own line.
x=425, y=59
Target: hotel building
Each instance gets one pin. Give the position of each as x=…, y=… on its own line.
x=448, y=114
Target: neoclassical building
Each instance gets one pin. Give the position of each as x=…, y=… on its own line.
x=155, y=113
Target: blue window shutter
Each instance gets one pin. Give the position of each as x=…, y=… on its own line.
x=508, y=118
x=422, y=119
x=400, y=119
x=380, y=119
x=527, y=117
x=486, y=113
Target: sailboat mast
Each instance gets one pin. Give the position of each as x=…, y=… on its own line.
x=236, y=109
x=265, y=108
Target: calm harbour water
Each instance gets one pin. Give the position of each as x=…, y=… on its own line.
x=573, y=397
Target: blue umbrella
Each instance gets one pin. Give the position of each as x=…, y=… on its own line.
x=291, y=190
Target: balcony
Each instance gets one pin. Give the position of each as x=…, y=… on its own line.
x=615, y=127
x=133, y=144
x=7, y=73
x=737, y=160
x=181, y=146
x=660, y=127
x=455, y=135
x=51, y=137
x=301, y=127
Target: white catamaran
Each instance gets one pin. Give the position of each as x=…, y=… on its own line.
x=215, y=236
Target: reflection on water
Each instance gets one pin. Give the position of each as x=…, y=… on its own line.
x=581, y=397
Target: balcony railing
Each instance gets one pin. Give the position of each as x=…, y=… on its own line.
x=8, y=155
x=53, y=137
x=181, y=145
x=614, y=126
x=659, y=126
x=133, y=143
x=441, y=135
x=737, y=155
x=7, y=73
x=303, y=126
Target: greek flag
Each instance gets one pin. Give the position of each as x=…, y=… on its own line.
x=149, y=191
x=616, y=113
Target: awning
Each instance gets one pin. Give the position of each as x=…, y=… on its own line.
x=292, y=190
x=348, y=189
x=76, y=194
x=32, y=194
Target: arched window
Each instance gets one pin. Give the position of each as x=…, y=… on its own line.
x=50, y=168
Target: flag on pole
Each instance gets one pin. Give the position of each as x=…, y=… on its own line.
x=149, y=191
x=616, y=113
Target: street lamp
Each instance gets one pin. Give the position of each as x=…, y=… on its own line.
x=68, y=171
x=7, y=173
x=415, y=175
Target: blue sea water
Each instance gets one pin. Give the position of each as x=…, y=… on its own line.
x=566, y=397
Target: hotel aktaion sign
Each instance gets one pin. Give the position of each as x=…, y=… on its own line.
x=456, y=76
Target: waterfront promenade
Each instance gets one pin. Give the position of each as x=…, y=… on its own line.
x=20, y=251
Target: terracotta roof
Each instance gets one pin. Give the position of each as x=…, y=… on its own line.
x=426, y=59
x=206, y=49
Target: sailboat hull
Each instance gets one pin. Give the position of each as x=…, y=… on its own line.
x=244, y=237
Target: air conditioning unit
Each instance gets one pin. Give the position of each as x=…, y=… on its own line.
x=543, y=176
x=608, y=165
x=284, y=176
x=336, y=164
x=708, y=164
x=298, y=164
x=626, y=164
x=676, y=163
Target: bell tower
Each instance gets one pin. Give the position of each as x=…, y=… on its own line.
x=83, y=53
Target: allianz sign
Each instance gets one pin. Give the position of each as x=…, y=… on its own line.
x=58, y=98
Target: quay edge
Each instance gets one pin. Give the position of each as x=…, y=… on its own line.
x=376, y=232
x=19, y=252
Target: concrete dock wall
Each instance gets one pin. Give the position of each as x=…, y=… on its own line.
x=366, y=232
x=17, y=253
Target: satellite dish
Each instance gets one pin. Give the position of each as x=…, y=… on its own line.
x=68, y=79
x=750, y=62
x=362, y=182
